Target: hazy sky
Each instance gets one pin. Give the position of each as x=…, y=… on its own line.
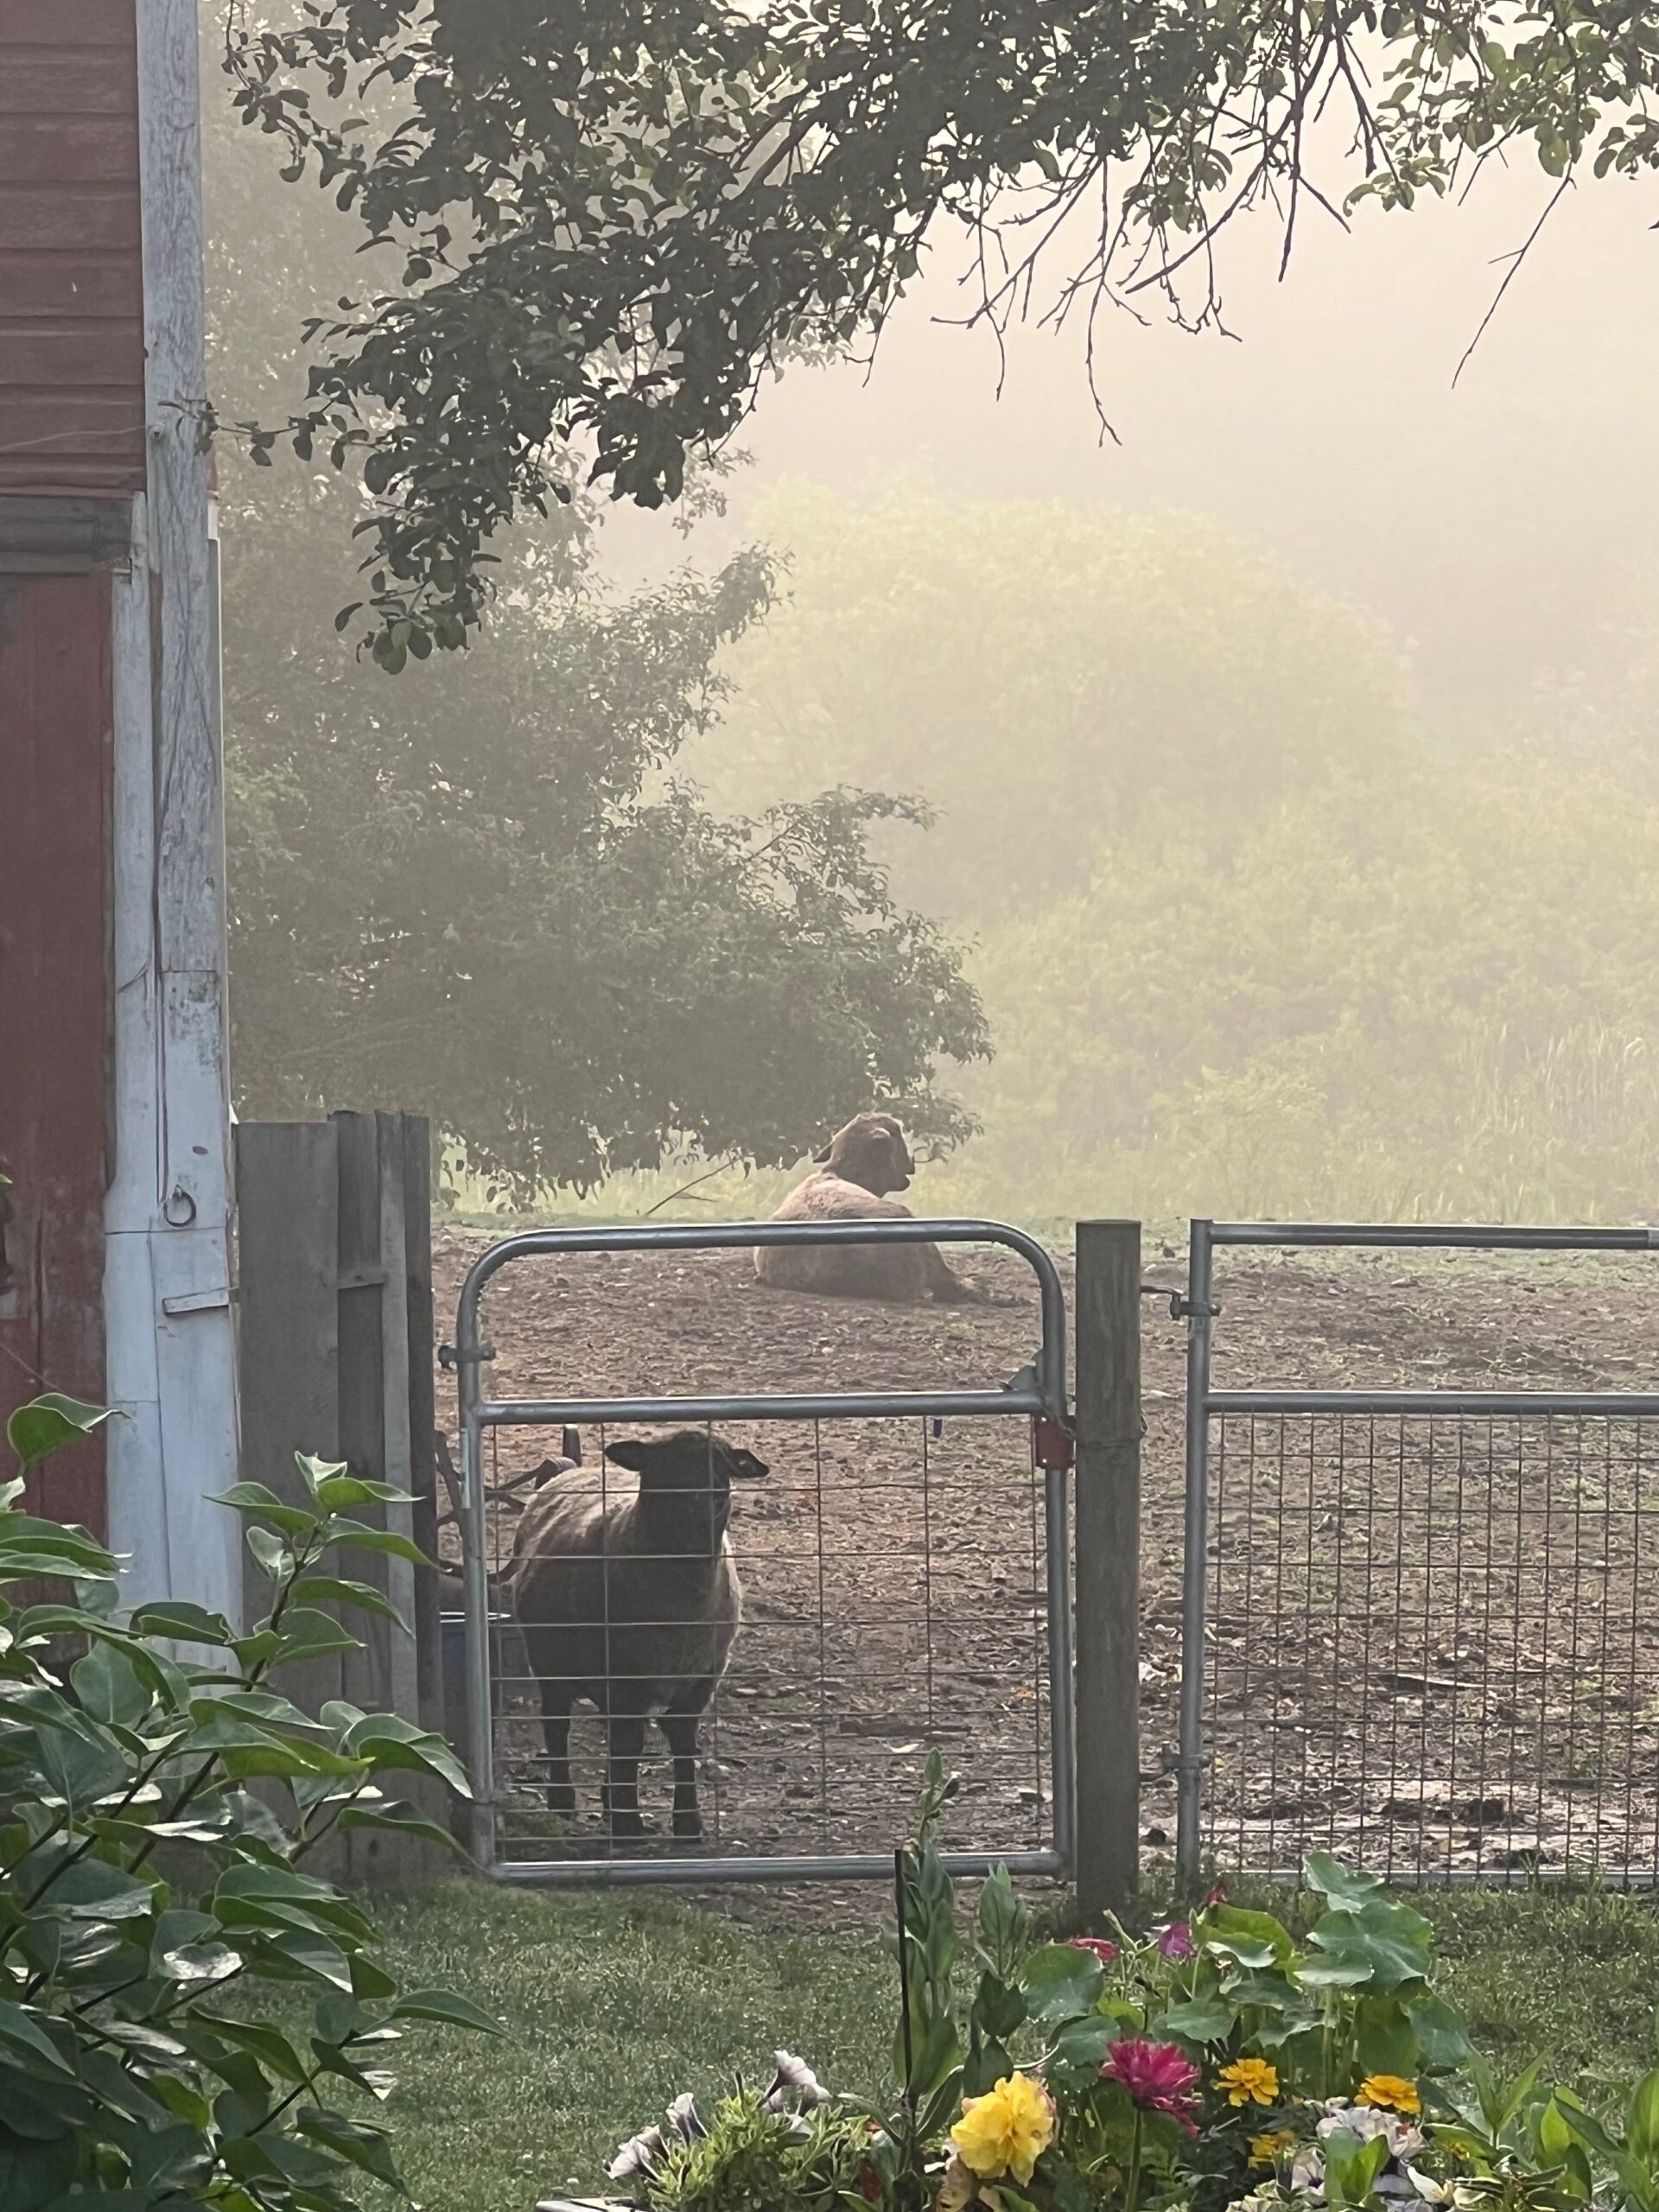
x=1493, y=526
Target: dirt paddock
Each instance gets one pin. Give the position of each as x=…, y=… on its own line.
x=1434, y=1645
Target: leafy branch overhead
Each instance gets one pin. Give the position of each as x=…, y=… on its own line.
x=162, y=1934
x=602, y=224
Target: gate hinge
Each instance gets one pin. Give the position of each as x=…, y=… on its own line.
x=449, y=1359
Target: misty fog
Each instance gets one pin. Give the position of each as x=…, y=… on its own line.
x=1292, y=746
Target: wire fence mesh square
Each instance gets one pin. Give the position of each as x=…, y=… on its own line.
x=894, y=1598
x=1432, y=1645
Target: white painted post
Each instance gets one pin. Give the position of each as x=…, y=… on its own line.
x=166, y=1276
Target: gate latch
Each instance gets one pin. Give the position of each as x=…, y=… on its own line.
x=1181, y=1307
x=450, y=1360
x=1053, y=1446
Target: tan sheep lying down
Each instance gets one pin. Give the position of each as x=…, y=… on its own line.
x=855, y=1171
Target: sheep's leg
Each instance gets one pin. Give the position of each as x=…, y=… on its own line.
x=556, y=1728
x=681, y=1730
x=948, y=1287
x=622, y=1790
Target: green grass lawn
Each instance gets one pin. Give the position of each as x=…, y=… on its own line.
x=613, y=2005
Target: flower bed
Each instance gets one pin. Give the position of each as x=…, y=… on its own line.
x=1216, y=2061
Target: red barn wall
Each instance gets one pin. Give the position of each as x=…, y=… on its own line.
x=72, y=429
x=71, y=346
x=54, y=1003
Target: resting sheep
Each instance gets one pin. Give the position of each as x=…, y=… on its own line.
x=856, y=1170
x=632, y=1603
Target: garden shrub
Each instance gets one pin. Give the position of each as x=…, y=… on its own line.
x=162, y=1938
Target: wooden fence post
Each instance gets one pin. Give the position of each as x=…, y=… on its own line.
x=1108, y=1564
x=336, y=1356
x=288, y=1330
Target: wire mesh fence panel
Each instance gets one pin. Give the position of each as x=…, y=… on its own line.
x=1431, y=1643
x=893, y=1598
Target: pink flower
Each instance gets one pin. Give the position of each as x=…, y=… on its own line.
x=1159, y=2076
x=1103, y=1951
x=1175, y=1940
x=1218, y=1896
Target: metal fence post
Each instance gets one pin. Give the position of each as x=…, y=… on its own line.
x=1200, y=1311
x=1108, y=1564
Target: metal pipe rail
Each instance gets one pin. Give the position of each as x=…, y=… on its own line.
x=1388, y=1235
x=1039, y=1392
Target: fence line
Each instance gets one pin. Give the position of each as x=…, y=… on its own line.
x=1413, y=1621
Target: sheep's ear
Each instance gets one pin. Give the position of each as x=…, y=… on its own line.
x=631, y=1452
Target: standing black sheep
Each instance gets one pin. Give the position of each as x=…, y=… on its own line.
x=633, y=1605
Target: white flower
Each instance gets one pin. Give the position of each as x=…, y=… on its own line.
x=1307, y=2173
x=1405, y=2139
x=795, y=2074
x=637, y=2155
x=682, y=2118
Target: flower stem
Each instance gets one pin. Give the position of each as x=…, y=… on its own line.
x=1133, y=2198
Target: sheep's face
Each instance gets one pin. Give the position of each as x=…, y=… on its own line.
x=693, y=1467
x=871, y=1152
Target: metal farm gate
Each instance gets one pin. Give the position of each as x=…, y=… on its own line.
x=897, y=1596
x=1420, y=1628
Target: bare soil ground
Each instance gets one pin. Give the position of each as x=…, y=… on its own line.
x=1435, y=1645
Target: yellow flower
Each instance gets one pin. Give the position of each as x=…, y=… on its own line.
x=1007, y=2130
x=1249, y=2082
x=1390, y=2093
x=1265, y=2149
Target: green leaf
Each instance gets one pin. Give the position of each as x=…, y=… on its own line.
x=1244, y=1950
x=314, y=1472
x=1444, y=2038
x=443, y=2005
x=368, y=2148
x=1380, y=1933
x=34, y=2173
x=107, y=1684
x=340, y=1491
x=1340, y=1884
x=24, y=2037
x=1385, y=2039
x=275, y=2052
x=1231, y=1920
x=401, y=1820
x=198, y=1965
x=92, y=1891
x=328, y=1589
x=305, y=1634
x=271, y=1553
x=388, y=1742
x=356, y=1536
x=1083, y=2043
x=48, y=1424
x=1333, y=1974
x=1061, y=1980
x=1642, y=2121
x=1200, y=2019
x=256, y=1500
x=181, y=1622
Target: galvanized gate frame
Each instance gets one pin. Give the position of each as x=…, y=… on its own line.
x=1203, y=1403
x=1038, y=1391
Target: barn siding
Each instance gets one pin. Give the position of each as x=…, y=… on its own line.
x=54, y=1004
x=72, y=347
